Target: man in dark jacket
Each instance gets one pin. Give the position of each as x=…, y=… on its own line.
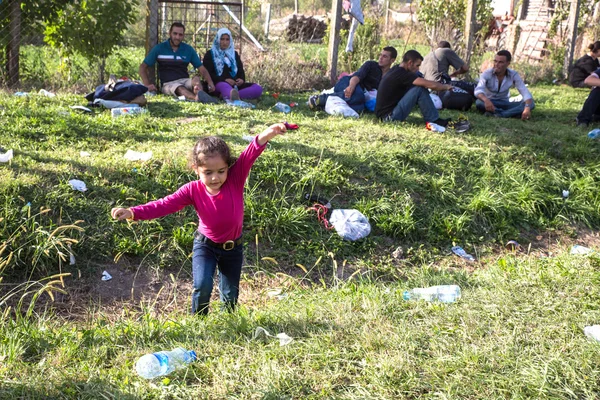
x=352, y=88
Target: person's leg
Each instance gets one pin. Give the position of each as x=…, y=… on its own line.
x=506, y=109
x=225, y=89
x=338, y=90
x=230, y=269
x=187, y=89
x=170, y=88
x=480, y=105
x=357, y=100
x=254, y=91
x=415, y=95
x=591, y=106
x=204, y=264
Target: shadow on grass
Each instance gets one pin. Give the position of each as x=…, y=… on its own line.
x=66, y=389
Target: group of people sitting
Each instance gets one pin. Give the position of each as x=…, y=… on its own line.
x=221, y=68
x=399, y=88
x=402, y=87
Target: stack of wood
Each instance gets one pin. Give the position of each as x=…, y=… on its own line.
x=301, y=28
x=305, y=29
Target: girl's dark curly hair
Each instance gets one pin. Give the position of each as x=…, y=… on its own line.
x=210, y=146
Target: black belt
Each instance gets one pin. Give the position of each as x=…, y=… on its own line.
x=228, y=245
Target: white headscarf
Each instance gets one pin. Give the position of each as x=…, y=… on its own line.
x=224, y=57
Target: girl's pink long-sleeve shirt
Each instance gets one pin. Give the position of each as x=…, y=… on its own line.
x=222, y=215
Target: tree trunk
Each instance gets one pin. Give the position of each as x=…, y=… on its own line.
x=14, y=43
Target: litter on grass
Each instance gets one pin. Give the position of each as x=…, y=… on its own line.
x=459, y=251
x=81, y=108
x=350, y=224
x=84, y=154
x=6, y=157
x=565, y=194
x=137, y=156
x=513, y=245
x=581, y=250
x=277, y=294
x=46, y=93
x=239, y=103
x=106, y=276
x=593, y=332
x=78, y=185
x=262, y=334
x=248, y=138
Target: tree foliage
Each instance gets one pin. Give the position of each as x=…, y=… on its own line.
x=445, y=20
x=92, y=28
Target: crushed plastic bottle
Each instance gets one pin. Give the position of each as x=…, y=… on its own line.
x=593, y=332
x=443, y=293
x=129, y=110
x=164, y=362
x=284, y=108
x=594, y=134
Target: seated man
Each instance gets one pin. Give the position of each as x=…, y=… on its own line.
x=402, y=88
x=436, y=67
x=591, y=108
x=366, y=78
x=493, y=90
x=173, y=57
x=585, y=66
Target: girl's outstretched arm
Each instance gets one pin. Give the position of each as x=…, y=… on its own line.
x=270, y=133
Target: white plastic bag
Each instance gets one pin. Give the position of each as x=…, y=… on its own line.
x=350, y=224
x=110, y=104
x=337, y=106
x=437, y=102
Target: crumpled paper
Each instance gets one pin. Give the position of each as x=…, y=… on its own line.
x=84, y=154
x=6, y=157
x=262, y=333
x=78, y=185
x=106, y=276
x=137, y=156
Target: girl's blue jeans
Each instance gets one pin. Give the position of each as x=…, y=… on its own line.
x=205, y=261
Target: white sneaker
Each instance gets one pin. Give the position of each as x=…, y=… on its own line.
x=433, y=127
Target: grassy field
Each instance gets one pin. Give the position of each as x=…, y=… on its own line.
x=516, y=333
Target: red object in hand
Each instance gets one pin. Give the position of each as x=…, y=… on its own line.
x=275, y=95
x=291, y=127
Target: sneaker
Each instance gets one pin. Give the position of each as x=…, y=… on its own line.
x=313, y=102
x=234, y=95
x=433, y=127
x=461, y=126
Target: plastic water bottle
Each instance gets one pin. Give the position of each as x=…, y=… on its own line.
x=443, y=293
x=595, y=134
x=164, y=362
x=284, y=108
x=129, y=110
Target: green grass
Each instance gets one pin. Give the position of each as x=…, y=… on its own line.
x=517, y=332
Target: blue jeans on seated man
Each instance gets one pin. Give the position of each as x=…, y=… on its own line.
x=356, y=101
x=205, y=259
x=505, y=108
x=416, y=95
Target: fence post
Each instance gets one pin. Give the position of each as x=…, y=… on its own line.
x=572, y=36
x=469, y=28
x=267, y=20
x=387, y=15
x=151, y=33
x=334, y=40
x=14, y=43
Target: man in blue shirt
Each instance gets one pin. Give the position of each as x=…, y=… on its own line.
x=493, y=90
x=352, y=88
x=173, y=57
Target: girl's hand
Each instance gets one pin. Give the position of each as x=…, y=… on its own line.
x=121, y=213
x=239, y=81
x=271, y=132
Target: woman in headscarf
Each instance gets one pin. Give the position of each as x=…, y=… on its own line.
x=227, y=71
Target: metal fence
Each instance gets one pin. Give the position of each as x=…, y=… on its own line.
x=23, y=52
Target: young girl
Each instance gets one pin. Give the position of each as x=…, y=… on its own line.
x=218, y=197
